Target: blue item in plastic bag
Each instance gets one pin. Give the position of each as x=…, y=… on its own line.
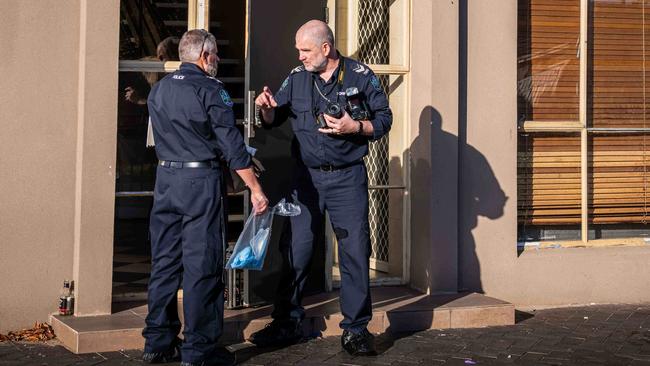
x=250, y=249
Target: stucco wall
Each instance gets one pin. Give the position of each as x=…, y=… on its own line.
x=42, y=191
x=40, y=46
x=486, y=134
x=433, y=149
x=488, y=195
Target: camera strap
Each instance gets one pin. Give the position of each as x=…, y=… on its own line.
x=339, y=81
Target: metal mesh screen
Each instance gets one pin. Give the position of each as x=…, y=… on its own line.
x=373, y=49
x=373, y=31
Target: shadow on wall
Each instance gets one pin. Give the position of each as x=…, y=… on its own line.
x=480, y=194
x=460, y=187
x=452, y=186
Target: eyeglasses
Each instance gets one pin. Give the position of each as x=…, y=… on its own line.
x=205, y=38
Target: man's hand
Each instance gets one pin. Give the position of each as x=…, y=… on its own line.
x=131, y=95
x=340, y=126
x=265, y=100
x=259, y=201
x=266, y=103
x=258, y=198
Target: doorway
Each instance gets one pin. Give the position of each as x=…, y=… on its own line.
x=149, y=34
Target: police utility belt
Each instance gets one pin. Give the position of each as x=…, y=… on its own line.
x=189, y=164
x=332, y=168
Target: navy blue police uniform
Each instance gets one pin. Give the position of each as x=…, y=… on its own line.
x=193, y=126
x=330, y=174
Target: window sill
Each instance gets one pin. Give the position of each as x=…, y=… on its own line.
x=597, y=243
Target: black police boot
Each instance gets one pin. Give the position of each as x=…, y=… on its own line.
x=278, y=333
x=172, y=354
x=358, y=344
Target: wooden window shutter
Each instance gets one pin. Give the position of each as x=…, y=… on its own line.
x=617, y=98
x=548, y=182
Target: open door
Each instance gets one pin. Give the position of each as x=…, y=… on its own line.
x=270, y=56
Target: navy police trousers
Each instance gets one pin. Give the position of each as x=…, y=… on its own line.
x=186, y=245
x=344, y=194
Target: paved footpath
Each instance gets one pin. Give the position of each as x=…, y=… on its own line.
x=592, y=335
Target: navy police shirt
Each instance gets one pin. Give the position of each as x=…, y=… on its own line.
x=193, y=120
x=299, y=100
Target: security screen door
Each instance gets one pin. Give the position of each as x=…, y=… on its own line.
x=270, y=56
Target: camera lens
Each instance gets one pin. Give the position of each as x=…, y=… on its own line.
x=334, y=110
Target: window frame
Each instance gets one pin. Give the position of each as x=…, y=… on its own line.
x=581, y=126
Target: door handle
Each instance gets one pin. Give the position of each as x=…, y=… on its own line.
x=251, y=119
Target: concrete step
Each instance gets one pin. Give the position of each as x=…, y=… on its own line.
x=395, y=309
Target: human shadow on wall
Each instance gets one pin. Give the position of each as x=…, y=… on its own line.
x=435, y=154
x=480, y=195
x=474, y=190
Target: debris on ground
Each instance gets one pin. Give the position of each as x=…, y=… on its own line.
x=39, y=332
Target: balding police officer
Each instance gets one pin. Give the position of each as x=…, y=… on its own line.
x=193, y=126
x=330, y=175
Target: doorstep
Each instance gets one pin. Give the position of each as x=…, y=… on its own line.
x=395, y=309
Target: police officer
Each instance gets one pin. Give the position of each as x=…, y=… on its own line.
x=193, y=126
x=329, y=175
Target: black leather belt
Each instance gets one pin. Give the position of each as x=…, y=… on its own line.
x=332, y=168
x=189, y=164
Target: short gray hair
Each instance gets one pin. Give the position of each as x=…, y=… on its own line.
x=328, y=38
x=193, y=41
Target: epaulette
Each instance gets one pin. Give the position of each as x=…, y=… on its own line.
x=297, y=69
x=359, y=68
x=215, y=79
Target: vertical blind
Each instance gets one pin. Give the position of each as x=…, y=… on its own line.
x=549, y=165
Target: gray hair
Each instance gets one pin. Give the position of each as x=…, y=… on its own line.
x=328, y=38
x=193, y=41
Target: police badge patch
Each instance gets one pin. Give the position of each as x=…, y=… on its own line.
x=225, y=97
x=375, y=83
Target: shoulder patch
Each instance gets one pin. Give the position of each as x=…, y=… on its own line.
x=375, y=83
x=298, y=69
x=225, y=97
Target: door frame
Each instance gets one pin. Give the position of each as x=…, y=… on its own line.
x=346, y=29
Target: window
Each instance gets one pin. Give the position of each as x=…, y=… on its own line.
x=582, y=155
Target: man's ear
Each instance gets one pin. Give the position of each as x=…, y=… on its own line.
x=203, y=58
x=326, y=48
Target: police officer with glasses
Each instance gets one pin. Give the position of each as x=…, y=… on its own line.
x=193, y=126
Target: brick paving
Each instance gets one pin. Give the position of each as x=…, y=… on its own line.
x=592, y=335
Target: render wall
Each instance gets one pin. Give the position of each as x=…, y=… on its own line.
x=57, y=154
x=469, y=136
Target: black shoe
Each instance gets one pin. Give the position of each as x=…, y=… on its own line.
x=358, y=344
x=221, y=357
x=278, y=333
x=173, y=354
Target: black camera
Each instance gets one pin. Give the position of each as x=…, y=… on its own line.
x=356, y=105
x=332, y=110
